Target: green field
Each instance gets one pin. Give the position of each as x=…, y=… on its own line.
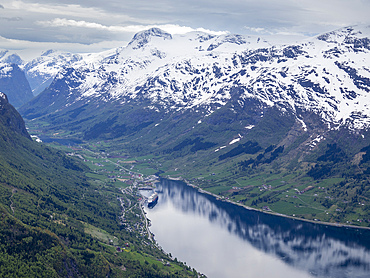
x=115, y=167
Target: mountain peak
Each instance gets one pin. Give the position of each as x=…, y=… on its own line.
x=343, y=34
x=142, y=38
x=48, y=52
x=10, y=58
x=3, y=97
x=10, y=118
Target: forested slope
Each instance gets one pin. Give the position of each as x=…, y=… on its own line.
x=46, y=203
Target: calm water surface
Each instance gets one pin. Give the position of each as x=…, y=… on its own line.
x=224, y=240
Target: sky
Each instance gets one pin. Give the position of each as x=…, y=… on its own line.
x=29, y=26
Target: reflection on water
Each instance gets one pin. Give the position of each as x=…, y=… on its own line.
x=237, y=242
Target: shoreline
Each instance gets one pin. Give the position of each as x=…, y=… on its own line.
x=338, y=225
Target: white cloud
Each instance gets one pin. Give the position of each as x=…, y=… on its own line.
x=177, y=29
x=63, y=22
x=259, y=30
x=170, y=28
x=72, y=10
x=29, y=50
x=89, y=22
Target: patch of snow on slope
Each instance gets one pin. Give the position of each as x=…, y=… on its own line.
x=234, y=141
x=5, y=70
x=220, y=148
x=2, y=95
x=312, y=144
x=304, y=126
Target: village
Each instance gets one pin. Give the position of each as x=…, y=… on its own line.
x=119, y=171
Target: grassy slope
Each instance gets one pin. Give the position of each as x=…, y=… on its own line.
x=183, y=144
x=337, y=191
x=50, y=213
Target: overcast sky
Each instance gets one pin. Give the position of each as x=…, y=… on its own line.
x=95, y=25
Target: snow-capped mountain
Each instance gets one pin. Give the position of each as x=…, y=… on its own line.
x=41, y=71
x=162, y=65
x=8, y=57
x=14, y=84
x=227, y=108
x=328, y=75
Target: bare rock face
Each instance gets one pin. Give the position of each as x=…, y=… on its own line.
x=14, y=84
x=10, y=118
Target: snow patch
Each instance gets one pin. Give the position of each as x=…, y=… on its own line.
x=220, y=148
x=304, y=126
x=36, y=138
x=5, y=70
x=234, y=141
x=315, y=141
x=2, y=95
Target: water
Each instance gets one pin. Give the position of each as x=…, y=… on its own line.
x=220, y=239
x=62, y=141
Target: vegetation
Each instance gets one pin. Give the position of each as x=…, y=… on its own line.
x=58, y=222
x=248, y=148
x=310, y=172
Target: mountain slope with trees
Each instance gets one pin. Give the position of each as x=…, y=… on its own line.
x=46, y=203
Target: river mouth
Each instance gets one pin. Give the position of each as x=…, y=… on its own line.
x=221, y=239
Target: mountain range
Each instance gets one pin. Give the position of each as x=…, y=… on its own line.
x=326, y=75
x=35, y=76
x=204, y=102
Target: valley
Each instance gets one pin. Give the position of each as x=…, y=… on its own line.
x=291, y=193
x=60, y=217
x=282, y=129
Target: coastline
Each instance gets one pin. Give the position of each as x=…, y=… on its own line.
x=338, y=225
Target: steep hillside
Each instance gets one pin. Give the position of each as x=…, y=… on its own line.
x=14, y=83
x=50, y=214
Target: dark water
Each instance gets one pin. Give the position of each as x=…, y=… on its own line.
x=62, y=141
x=224, y=240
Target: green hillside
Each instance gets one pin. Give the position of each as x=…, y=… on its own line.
x=53, y=217
x=253, y=155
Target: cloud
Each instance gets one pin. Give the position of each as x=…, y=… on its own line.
x=29, y=49
x=11, y=18
x=90, y=22
x=72, y=10
x=63, y=22
x=171, y=28
x=259, y=30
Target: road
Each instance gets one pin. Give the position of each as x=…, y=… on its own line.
x=142, y=202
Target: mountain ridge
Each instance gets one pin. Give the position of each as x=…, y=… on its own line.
x=335, y=89
x=142, y=38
